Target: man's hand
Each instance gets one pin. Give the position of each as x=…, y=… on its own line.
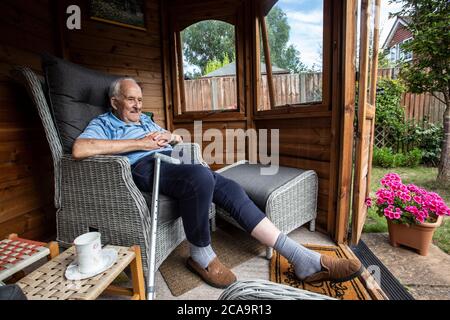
x=150, y=143
x=162, y=138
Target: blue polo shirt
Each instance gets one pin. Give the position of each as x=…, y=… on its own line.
x=108, y=127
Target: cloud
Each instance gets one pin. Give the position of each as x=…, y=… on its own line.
x=306, y=34
x=386, y=23
x=307, y=27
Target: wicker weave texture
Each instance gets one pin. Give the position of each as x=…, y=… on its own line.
x=267, y=290
x=34, y=88
x=49, y=283
x=291, y=205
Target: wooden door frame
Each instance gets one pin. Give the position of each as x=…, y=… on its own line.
x=366, y=111
x=349, y=151
x=348, y=78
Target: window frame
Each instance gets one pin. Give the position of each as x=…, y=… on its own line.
x=299, y=109
x=179, y=22
x=393, y=53
x=404, y=54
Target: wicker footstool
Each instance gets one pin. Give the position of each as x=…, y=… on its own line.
x=288, y=198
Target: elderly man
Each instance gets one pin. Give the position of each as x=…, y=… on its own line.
x=125, y=130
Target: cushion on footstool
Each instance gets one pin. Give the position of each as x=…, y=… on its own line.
x=288, y=198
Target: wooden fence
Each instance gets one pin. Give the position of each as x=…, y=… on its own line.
x=220, y=92
x=292, y=89
x=417, y=106
x=207, y=94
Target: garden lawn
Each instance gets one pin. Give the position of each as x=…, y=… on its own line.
x=424, y=177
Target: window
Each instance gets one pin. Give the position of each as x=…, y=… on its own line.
x=393, y=54
x=209, y=66
x=405, y=56
x=291, y=50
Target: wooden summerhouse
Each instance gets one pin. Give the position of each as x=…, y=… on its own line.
x=332, y=136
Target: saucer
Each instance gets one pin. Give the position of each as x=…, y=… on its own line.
x=109, y=256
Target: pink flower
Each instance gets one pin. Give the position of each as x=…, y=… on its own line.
x=368, y=202
x=405, y=197
x=411, y=201
x=413, y=188
x=418, y=199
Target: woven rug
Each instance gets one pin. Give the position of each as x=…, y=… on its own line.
x=281, y=271
x=233, y=247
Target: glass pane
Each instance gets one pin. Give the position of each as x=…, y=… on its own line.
x=209, y=66
x=295, y=32
x=371, y=48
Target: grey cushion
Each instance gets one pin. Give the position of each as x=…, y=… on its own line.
x=260, y=187
x=77, y=95
x=167, y=208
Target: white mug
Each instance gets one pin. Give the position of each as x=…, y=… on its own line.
x=88, y=248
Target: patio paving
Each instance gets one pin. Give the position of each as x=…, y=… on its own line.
x=425, y=277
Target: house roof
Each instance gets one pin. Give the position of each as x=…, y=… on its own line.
x=230, y=70
x=402, y=20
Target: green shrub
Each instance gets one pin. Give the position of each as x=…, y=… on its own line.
x=427, y=138
x=399, y=160
x=413, y=158
x=383, y=157
x=405, y=135
x=389, y=113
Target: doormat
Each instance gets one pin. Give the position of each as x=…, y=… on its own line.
x=281, y=271
x=231, y=245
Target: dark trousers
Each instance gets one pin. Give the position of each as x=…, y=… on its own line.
x=195, y=187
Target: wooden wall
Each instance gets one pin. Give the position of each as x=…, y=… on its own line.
x=305, y=143
x=122, y=51
x=26, y=172
x=31, y=27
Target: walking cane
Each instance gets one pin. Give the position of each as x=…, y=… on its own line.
x=154, y=220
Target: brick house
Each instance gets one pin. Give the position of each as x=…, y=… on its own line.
x=398, y=35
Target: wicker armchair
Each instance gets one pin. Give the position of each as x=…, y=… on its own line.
x=99, y=192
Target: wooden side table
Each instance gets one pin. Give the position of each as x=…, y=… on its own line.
x=49, y=282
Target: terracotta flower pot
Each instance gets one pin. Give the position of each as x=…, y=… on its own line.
x=417, y=236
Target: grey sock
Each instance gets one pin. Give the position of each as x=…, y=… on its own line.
x=305, y=261
x=202, y=255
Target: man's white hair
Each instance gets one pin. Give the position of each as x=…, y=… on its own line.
x=114, y=88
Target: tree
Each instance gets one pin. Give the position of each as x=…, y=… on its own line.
x=209, y=40
x=216, y=64
x=282, y=55
x=212, y=40
x=383, y=61
x=430, y=68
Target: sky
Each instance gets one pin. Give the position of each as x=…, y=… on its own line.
x=306, y=20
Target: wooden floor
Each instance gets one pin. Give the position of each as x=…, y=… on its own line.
x=256, y=268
